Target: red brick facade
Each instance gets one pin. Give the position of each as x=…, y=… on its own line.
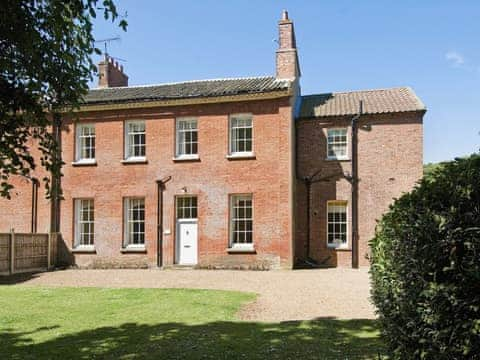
x=390, y=148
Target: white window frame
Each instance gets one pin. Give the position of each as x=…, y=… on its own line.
x=191, y=208
x=128, y=143
x=180, y=148
x=232, y=220
x=78, y=224
x=80, y=143
x=343, y=143
x=128, y=234
x=336, y=244
x=232, y=144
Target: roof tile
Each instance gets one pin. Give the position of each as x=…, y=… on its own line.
x=189, y=89
x=374, y=102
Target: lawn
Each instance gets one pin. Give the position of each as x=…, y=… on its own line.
x=86, y=323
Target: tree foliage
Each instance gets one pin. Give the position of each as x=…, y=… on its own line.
x=426, y=266
x=45, y=65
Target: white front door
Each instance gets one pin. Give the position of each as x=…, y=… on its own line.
x=187, y=242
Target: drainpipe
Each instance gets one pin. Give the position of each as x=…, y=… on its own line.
x=56, y=182
x=354, y=185
x=160, y=190
x=34, y=205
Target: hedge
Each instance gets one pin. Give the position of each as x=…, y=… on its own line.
x=425, y=266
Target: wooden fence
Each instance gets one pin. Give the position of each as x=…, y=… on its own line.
x=26, y=252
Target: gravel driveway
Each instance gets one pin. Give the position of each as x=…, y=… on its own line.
x=282, y=295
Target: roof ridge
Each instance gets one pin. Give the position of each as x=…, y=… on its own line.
x=193, y=81
x=360, y=91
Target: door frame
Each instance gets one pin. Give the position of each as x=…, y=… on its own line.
x=178, y=240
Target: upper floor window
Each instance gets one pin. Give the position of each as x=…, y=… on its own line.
x=337, y=144
x=135, y=140
x=241, y=134
x=186, y=138
x=337, y=223
x=85, y=143
x=241, y=221
x=84, y=223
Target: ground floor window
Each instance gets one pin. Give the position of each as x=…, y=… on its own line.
x=187, y=207
x=241, y=221
x=84, y=223
x=134, y=209
x=337, y=224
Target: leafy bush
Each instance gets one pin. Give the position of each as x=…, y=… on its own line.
x=426, y=266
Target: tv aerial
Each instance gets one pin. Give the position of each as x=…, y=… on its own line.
x=105, y=43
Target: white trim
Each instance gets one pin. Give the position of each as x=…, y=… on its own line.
x=127, y=144
x=186, y=157
x=126, y=234
x=335, y=157
x=190, y=120
x=231, y=244
x=79, y=143
x=342, y=245
x=77, y=202
x=241, y=116
x=85, y=162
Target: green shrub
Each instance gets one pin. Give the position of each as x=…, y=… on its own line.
x=425, y=266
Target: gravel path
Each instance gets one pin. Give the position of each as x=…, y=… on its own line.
x=282, y=295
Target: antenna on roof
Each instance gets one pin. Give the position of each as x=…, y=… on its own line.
x=105, y=45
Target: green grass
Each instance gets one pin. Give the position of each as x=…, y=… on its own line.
x=86, y=323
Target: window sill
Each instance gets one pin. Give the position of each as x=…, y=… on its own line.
x=139, y=249
x=337, y=159
x=242, y=250
x=138, y=160
x=84, y=250
x=241, y=156
x=186, y=158
x=84, y=163
x=339, y=248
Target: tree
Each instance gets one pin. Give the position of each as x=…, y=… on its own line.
x=45, y=64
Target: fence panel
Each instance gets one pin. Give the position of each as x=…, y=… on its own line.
x=4, y=254
x=31, y=252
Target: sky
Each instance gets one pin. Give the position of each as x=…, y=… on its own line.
x=430, y=45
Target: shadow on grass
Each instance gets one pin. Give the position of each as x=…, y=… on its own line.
x=318, y=339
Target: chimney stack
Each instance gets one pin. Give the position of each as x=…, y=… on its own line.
x=287, y=57
x=111, y=74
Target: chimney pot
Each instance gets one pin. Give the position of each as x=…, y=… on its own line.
x=285, y=15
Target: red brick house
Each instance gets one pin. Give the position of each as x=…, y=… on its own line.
x=238, y=173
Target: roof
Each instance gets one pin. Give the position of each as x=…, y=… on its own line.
x=187, y=90
x=378, y=101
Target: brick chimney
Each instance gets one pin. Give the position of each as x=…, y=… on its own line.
x=287, y=58
x=110, y=74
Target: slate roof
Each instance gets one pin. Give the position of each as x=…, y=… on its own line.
x=186, y=90
x=374, y=102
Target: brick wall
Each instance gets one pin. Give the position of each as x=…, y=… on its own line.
x=390, y=161
x=212, y=179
